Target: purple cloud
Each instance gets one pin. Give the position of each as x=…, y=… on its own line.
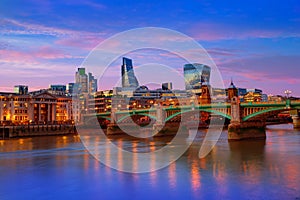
x=204, y=31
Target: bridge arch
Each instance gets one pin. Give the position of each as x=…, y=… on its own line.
x=269, y=110
x=104, y=117
x=200, y=110
x=141, y=114
x=91, y=120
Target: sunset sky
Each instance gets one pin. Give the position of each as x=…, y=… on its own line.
x=257, y=43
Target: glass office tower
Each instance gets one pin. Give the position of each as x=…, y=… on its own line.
x=128, y=77
x=81, y=79
x=195, y=75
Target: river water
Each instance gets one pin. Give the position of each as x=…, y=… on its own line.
x=59, y=167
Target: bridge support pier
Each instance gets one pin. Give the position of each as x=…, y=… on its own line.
x=159, y=124
x=112, y=127
x=244, y=130
x=247, y=130
x=296, y=121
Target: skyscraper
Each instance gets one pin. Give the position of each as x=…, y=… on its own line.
x=195, y=75
x=92, y=84
x=127, y=73
x=81, y=79
x=70, y=88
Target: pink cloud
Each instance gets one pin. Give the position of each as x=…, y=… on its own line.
x=11, y=26
x=215, y=31
x=84, y=42
x=220, y=52
x=33, y=56
x=13, y=56
x=47, y=52
x=273, y=74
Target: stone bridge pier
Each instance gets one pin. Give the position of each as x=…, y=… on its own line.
x=160, y=118
x=296, y=119
x=112, y=127
x=243, y=130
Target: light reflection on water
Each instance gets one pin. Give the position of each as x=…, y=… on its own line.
x=60, y=168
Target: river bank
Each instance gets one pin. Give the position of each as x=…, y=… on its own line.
x=7, y=132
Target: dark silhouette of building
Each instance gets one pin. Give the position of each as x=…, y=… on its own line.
x=21, y=89
x=167, y=86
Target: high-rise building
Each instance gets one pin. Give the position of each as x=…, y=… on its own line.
x=167, y=86
x=92, y=84
x=70, y=88
x=21, y=89
x=81, y=79
x=195, y=75
x=127, y=73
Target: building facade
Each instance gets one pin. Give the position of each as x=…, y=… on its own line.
x=21, y=89
x=57, y=90
x=70, y=88
x=167, y=86
x=81, y=79
x=195, y=75
x=42, y=108
x=127, y=74
x=92, y=84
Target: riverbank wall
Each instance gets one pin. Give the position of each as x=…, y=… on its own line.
x=7, y=132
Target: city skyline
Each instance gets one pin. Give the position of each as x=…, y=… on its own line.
x=44, y=42
x=88, y=83
x=161, y=99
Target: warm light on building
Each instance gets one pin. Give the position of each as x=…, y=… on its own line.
x=40, y=108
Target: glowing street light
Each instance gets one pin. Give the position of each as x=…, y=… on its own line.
x=287, y=93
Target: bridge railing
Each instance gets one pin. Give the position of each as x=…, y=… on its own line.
x=263, y=103
x=212, y=105
x=295, y=102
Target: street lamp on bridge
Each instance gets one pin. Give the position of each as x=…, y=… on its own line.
x=287, y=93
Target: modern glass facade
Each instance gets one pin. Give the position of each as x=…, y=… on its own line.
x=82, y=80
x=70, y=88
x=92, y=84
x=195, y=75
x=127, y=73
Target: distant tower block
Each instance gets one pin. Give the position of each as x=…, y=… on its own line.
x=81, y=79
x=195, y=75
x=128, y=77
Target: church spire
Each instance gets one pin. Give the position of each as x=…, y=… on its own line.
x=232, y=84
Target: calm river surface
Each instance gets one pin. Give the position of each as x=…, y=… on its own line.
x=59, y=167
